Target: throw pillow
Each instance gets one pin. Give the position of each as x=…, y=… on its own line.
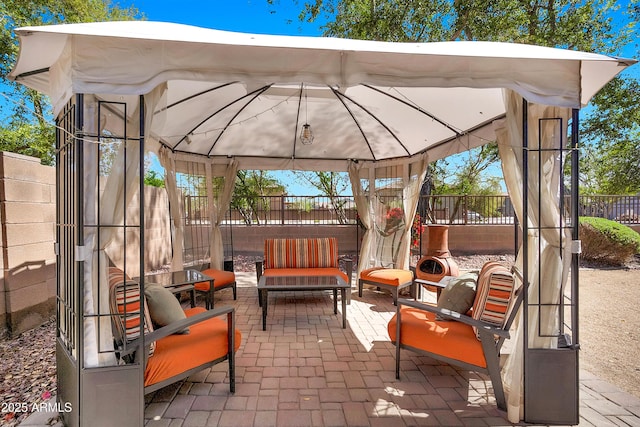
x=164, y=308
x=459, y=294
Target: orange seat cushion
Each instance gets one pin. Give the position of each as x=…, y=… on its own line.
x=387, y=276
x=321, y=271
x=175, y=354
x=448, y=338
x=220, y=278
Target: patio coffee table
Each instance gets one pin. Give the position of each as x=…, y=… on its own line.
x=303, y=283
x=180, y=281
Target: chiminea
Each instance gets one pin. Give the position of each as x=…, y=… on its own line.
x=437, y=261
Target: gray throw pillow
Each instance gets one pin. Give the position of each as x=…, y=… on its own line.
x=164, y=308
x=459, y=294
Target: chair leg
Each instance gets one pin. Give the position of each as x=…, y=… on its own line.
x=493, y=368
x=398, y=344
x=234, y=291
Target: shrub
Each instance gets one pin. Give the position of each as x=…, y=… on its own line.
x=607, y=241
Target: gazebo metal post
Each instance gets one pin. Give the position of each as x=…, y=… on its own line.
x=97, y=395
x=550, y=374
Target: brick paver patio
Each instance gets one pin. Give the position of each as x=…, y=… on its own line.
x=305, y=370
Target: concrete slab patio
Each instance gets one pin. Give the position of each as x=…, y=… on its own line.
x=305, y=370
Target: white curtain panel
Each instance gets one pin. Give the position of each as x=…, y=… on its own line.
x=547, y=275
x=375, y=248
x=361, y=197
x=176, y=209
x=219, y=202
x=411, y=195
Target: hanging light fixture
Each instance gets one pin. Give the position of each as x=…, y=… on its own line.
x=306, y=135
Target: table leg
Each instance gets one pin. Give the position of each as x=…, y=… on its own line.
x=335, y=301
x=192, y=297
x=211, y=290
x=263, y=297
x=344, y=308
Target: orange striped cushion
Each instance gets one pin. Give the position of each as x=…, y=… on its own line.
x=301, y=253
x=494, y=294
x=124, y=298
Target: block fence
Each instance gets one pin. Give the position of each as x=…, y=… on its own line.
x=27, y=237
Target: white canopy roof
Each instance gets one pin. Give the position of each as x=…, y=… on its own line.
x=248, y=95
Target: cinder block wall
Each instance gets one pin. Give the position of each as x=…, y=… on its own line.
x=463, y=239
x=481, y=239
x=27, y=215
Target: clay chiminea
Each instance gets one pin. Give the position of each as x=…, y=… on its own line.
x=437, y=262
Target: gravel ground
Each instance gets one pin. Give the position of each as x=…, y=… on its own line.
x=609, y=335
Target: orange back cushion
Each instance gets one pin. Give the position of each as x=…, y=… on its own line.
x=301, y=253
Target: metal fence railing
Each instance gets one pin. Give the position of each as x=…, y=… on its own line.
x=441, y=209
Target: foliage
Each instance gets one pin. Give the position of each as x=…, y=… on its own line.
x=611, y=162
x=29, y=139
x=27, y=117
x=416, y=232
x=607, y=241
x=251, y=194
x=153, y=179
x=602, y=26
x=332, y=185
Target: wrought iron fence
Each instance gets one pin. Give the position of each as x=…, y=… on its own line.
x=441, y=209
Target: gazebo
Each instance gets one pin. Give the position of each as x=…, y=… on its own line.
x=215, y=102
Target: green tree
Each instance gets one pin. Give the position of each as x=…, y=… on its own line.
x=25, y=126
x=153, y=179
x=252, y=192
x=332, y=185
x=603, y=26
x=612, y=159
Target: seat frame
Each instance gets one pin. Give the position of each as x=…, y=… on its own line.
x=491, y=338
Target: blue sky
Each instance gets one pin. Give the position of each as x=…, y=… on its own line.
x=250, y=16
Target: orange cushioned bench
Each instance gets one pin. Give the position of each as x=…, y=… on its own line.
x=303, y=257
x=392, y=279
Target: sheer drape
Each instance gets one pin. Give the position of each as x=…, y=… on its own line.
x=219, y=197
x=217, y=181
x=411, y=196
x=360, y=190
x=386, y=196
x=548, y=273
x=175, y=206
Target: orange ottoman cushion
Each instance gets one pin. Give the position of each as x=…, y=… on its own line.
x=387, y=276
x=220, y=278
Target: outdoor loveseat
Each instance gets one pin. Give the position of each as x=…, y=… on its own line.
x=303, y=257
